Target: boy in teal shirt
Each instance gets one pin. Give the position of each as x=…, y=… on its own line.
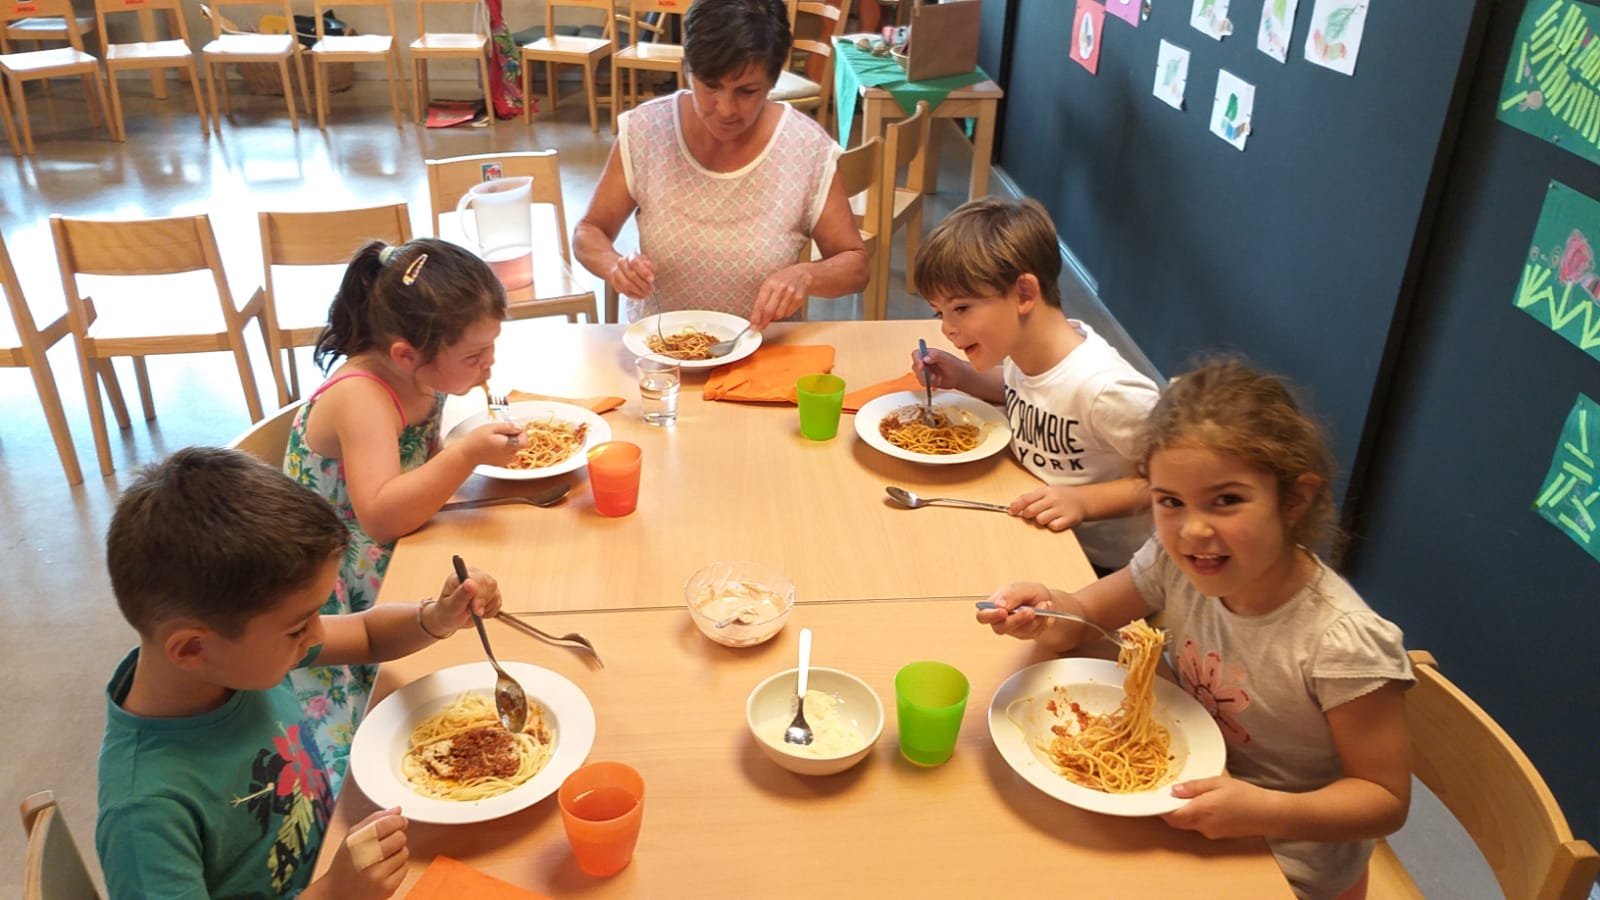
x=210, y=782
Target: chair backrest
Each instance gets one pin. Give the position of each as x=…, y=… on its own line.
x=832, y=18
x=860, y=172
x=220, y=24
x=1493, y=790
x=602, y=6
x=177, y=27
x=328, y=237
x=128, y=247
x=268, y=439
x=318, y=7
x=904, y=144
x=53, y=868
x=449, y=178
x=628, y=19
x=422, y=12
x=12, y=10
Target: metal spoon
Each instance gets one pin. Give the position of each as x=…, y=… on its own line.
x=798, y=731
x=927, y=382
x=723, y=348
x=909, y=500
x=510, y=701
x=1073, y=617
x=548, y=497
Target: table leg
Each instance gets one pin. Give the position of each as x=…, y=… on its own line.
x=930, y=158
x=982, y=149
x=872, y=115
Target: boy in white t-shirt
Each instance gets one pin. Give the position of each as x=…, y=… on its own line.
x=990, y=270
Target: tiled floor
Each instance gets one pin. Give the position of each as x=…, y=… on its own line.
x=60, y=633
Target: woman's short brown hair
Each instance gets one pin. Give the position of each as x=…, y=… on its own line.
x=722, y=37
x=985, y=245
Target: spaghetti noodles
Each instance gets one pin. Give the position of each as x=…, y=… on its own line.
x=688, y=343
x=905, y=429
x=1126, y=750
x=464, y=753
x=548, y=442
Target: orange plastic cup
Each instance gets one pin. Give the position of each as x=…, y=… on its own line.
x=602, y=807
x=614, y=477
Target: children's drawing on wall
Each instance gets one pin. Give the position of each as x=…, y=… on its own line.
x=1172, y=74
x=1335, y=37
x=1559, y=285
x=1230, y=114
x=1277, y=25
x=1551, y=87
x=1211, y=18
x=1128, y=11
x=1086, y=28
x=1569, y=499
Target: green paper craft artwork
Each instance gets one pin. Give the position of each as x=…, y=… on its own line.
x=1559, y=286
x=1568, y=498
x=1551, y=87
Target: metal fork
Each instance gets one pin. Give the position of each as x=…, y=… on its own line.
x=1071, y=617
x=498, y=407
x=571, y=637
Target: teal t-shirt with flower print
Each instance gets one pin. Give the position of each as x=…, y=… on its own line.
x=233, y=802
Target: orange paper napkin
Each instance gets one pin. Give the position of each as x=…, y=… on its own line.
x=854, y=400
x=595, y=404
x=769, y=374
x=452, y=879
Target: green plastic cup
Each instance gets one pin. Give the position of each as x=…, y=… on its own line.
x=821, y=400
x=931, y=698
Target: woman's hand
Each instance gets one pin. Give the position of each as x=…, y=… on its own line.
x=493, y=443
x=632, y=276
x=1056, y=507
x=1013, y=610
x=944, y=369
x=781, y=296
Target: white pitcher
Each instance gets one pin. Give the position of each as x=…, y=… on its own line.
x=501, y=227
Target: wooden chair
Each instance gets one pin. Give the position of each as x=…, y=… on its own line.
x=1493, y=790
x=555, y=291
x=26, y=346
x=149, y=55
x=860, y=170
x=21, y=67
x=472, y=46
x=640, y=55
x=556, y=50
x=229, y=47
x=905, y=148
x=814, y=89
x=53, y=868
x=148, y=316
x=364, y=48
x=268, y=439
x=306, y=252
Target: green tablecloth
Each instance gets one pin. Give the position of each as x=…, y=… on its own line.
x=855, y=69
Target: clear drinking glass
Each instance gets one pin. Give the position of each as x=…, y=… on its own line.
x=659, y=378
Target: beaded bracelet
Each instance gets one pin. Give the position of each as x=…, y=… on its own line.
x=422, y=605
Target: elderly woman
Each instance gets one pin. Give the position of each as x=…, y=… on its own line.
x=731, y=188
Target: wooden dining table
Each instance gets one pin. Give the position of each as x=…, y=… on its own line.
x=878, y=586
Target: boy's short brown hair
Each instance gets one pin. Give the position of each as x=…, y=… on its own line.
x=217, y=536
x=985, y=245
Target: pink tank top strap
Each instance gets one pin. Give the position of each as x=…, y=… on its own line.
x=386, y=386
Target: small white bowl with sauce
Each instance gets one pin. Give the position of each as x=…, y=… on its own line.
x=754, y=599
x=845, y=715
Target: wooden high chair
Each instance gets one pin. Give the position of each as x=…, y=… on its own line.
x=26, y=346
x=137, y=314
x=814, y=89
x=557, y=50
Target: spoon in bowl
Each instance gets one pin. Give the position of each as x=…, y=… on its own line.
x=510, y=701
x=723, y=348
x=903, y=497
x=798, y=731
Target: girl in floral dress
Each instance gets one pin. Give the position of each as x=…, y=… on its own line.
x=411, y=324
x=1304, y=680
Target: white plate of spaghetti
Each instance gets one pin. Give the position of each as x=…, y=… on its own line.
x=1073, y=695
x=411, y=744
x=688, y=333
x=966, y=428
x=556, y=437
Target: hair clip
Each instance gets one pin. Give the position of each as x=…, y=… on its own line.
x=386, y=255
x=413, y=270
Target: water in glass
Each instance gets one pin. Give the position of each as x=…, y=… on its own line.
x=658, y=390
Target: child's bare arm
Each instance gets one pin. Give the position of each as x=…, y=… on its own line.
x=1062, y=506
x=394, y=630
x=1113, y=601
x=1371, y=800
x=947, y=371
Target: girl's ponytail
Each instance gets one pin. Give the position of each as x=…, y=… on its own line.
x=349, y=331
